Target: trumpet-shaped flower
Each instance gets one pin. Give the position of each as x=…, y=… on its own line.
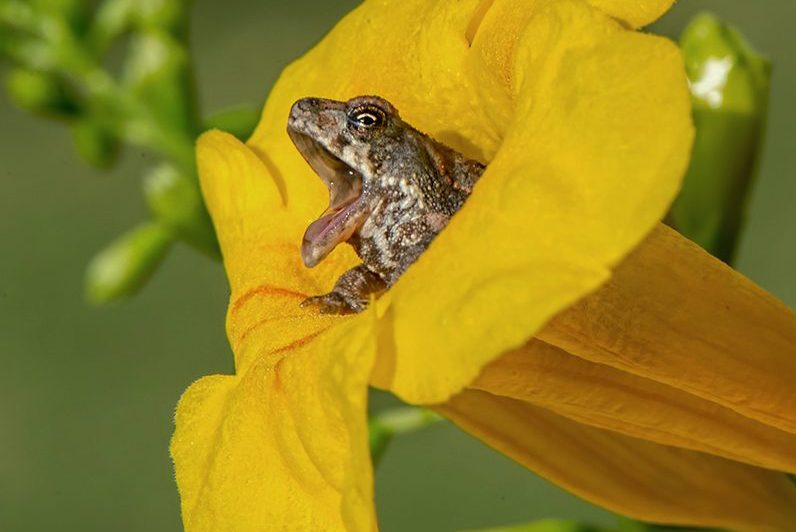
x=554, y=318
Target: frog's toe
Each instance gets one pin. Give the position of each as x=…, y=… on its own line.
x=332, y=303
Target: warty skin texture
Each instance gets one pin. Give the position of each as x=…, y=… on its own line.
x=392, y=189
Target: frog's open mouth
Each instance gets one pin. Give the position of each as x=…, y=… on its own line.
x=347, y=208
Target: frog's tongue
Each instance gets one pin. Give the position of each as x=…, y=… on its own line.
x=335, y=225
x=347, y=210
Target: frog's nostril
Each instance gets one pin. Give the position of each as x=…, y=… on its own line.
x=305, y=105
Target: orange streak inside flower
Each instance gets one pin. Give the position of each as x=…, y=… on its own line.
x=265, y=290
x=272, y=293
x=295, y=345
x=270, y=319
x=265, y=321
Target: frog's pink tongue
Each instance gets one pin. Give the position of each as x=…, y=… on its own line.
x=335, y=225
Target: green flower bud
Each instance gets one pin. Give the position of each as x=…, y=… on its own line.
x=123, y=267
x=729, y=85
x=95, y=143
x=39, y=93
x=113, y=18
x=175, y=201
x=158, y=73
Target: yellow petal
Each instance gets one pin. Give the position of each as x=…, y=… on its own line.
x=674, y=314
x=575, y=184
x=260, y=242
x=607, y=398
x=633, y=477
x=635, y=13
x=282, y=446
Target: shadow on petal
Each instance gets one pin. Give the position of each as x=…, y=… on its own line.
x=636, y=13
x=673, y=314
x=604, y=397
x=630, y=476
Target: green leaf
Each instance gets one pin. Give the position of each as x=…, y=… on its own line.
x=729, y=85
x=122, y=268
x=240, y=121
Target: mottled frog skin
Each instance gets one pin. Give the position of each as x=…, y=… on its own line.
x=392, y=189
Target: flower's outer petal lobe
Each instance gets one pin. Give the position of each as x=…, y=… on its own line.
x=633, y=477
x=239, y=191
x=577, y=182
x=282, y=446
x=675, y=315
x=604, y=397
x=635, y=13
x=260, y=242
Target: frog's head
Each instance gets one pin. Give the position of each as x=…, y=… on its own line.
x=353, y=146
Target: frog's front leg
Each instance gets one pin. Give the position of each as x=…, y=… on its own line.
x=350, y=294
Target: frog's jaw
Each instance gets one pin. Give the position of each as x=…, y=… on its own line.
x=347, y=209
x=336, y=225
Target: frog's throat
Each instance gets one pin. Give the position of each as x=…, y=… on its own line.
x=347, y=209
x=336, y=225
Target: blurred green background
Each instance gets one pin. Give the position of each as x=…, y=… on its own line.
x=87, y=394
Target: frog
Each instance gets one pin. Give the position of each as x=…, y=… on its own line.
x=392, y=190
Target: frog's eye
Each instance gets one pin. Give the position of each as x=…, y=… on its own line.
x=366, y=117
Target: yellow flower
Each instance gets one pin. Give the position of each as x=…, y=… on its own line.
x=657, y=383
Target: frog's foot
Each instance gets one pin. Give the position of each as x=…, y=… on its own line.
x=351, y=293
x=334, y=303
